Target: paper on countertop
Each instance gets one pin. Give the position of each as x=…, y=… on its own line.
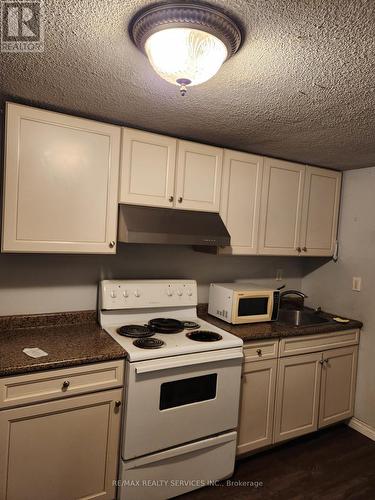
x=34, y=352
x=341, y=320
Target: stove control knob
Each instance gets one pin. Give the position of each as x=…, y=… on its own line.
x=179, y=292
x=125, y=294
x=113, y=294
x=189, y=292
x=137, y=293
x=169, y=292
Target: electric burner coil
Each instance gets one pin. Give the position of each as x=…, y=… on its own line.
x=149, y=343
x=166, y=325
x=135, y=331
x=204, y=336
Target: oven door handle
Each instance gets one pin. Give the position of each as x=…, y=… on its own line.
x=167, y=364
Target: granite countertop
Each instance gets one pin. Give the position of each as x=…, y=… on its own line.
x=275, y=329
x=70, y=339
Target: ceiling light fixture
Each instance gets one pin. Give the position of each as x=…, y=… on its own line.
x=185, y=43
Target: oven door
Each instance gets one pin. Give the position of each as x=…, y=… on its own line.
x=171, y=401
x=251, y=307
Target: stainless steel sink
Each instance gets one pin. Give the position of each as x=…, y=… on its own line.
x=301, y=318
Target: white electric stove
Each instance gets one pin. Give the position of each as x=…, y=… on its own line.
x=136, y=303
x=181, y=391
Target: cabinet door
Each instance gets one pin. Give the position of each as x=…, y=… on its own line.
x=338, y=385
x=199, y=171
x=64, y=450
x=240, y=199
x=147, y=168
x=61, y=183
x=257, y=405
x=320, y=211
x=297, y=396
x=281, y=207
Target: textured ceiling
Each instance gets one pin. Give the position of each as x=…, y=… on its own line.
x=300, y=88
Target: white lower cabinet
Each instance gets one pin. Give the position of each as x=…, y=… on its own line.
x=297, y=396
x=257, y=405
x=298, y=393
x=314, y=390
x=338, y=385
x=61, y=450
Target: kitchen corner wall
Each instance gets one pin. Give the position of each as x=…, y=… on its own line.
x=330, y=285
x=37, y=283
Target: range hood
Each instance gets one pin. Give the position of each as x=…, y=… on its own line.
x=138, y=224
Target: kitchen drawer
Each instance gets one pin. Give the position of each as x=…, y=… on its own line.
x=46, y=385
x=257, y=350
x=312, y=343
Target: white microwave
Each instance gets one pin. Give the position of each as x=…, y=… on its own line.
x=243, y=303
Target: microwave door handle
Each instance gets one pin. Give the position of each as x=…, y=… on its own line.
x=176, y=363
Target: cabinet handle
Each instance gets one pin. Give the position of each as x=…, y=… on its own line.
x=171, y=199
x=65, y=384
x=180, y=199
x=321, y=361
x=117, y=404
x=298, y=249
x=112, y=244
x=259, y=352
x=326, y=361
x=304, y=249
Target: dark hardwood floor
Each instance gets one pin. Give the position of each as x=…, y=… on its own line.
x=334, y=464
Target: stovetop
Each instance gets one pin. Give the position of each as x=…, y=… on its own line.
x=140, y=303
x=174, y=343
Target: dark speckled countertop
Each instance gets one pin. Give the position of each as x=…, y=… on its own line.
x=70, y=339
x=275, y=329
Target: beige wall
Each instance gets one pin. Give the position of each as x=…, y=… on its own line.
x=46, y=283
x=331, y=284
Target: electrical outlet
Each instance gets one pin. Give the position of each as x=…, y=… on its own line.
x=279, y=275
x=357, y=283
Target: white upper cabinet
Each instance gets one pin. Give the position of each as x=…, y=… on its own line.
x=147, y=168
x=320, y=211
x=281, y=207
x=199, y=171
x=61, y=183
x=240, y=201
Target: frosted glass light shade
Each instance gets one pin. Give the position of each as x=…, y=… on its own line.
x=185, y=53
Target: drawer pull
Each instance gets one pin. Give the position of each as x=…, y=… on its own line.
x=117, y=404
x=259, y=352
x=65, y=384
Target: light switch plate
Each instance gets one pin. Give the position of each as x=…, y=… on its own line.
x=357, y=283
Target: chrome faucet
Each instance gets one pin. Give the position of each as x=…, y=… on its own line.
x=302, y=295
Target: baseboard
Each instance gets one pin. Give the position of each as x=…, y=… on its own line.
x=361, y=427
